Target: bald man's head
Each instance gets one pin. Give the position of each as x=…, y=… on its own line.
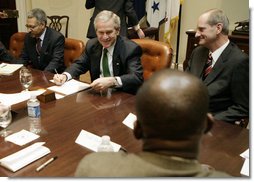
x=172, y=105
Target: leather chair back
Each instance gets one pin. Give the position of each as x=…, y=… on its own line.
x=17, y=44
x=72, y=50
x=156, y=55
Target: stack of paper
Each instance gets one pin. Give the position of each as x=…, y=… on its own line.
x=8, y=69
x=70, y=87
x=92, y=141
x=24, y=157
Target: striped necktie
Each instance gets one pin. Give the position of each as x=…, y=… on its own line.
x=38, y=46
x=208, y=66
x=105, y=67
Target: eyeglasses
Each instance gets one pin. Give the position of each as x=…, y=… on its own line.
x=32, y=26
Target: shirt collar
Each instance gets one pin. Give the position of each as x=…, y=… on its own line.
x=111, y=48
x=216, y=54
x=43, y=34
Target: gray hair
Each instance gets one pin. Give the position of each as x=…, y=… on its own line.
x=218, y=16
x=39, y=14
x=105, y=16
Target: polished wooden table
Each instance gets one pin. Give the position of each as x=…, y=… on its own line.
x=63, y=119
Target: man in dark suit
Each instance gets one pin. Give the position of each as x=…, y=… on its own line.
x=4, y=54
x=123, y=8
x=43, y=46
x=226, y=75
x=171, y=119
x=123, y=69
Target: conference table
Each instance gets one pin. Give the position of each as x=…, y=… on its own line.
x=63, y=119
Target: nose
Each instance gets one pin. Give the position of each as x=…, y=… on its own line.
x=197, y=34
x=105, y=36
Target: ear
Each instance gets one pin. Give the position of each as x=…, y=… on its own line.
x=219, y=27
x=209, y=122
x=137, y=130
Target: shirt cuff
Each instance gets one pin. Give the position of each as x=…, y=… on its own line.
x=136, y=27
x=68, y=75
x=118, y=82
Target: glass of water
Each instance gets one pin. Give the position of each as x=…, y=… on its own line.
x=25, y=77
x=5, y=119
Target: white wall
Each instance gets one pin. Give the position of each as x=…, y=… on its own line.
x=236, y=10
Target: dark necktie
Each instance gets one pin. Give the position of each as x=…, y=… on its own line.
x=208, y=66
x=38, y=46
x=105, y=67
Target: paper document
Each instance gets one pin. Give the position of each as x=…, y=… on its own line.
x=8, y=69
x=130, y=120
x=69, y=87
x=246, y=165
x=10, y=99
x=22, y=137
x=92, y=141
x=24, y=157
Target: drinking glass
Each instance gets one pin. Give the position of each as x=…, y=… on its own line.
x=5, y=119
x=25, y=77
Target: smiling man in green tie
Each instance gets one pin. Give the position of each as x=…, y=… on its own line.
x=113, y=61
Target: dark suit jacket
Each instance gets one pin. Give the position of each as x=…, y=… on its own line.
x=123, y=8
x=52, y=52
x=126, y=62
x=4, y=55
x=228, y=83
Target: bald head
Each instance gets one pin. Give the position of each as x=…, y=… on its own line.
x=172, y=105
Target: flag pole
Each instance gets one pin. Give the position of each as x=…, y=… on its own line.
x=178, y=36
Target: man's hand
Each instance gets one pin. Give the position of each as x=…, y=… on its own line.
x=3, y=15
x=60, y=79
x=102, y=84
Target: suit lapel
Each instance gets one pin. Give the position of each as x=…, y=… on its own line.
x=116, y=58
x=219, y=65
x=95, y=60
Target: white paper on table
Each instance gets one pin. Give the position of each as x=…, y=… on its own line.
x=246, y=169
x=22, y=137
x=246, y=165
x=92, y=141
x=8, y=69
x=24, y=157
x=11, y=99
x=69, y=87
x=245, y=154
x=130, y=120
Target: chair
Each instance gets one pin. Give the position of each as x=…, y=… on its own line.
x=156, y=55
x=17, y=44
x=57, y=22
x=72, y=50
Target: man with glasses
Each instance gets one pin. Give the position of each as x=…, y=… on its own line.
x=43, y=46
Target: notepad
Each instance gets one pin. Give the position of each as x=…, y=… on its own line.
x=8, y=69
x=22, y=158
x=92, y=141
x=22, y=137
x=69, y=87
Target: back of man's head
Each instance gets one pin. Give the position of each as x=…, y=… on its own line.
x=172, y=105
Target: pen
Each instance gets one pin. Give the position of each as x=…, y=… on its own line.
x=45, y=164
x=56, y=72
